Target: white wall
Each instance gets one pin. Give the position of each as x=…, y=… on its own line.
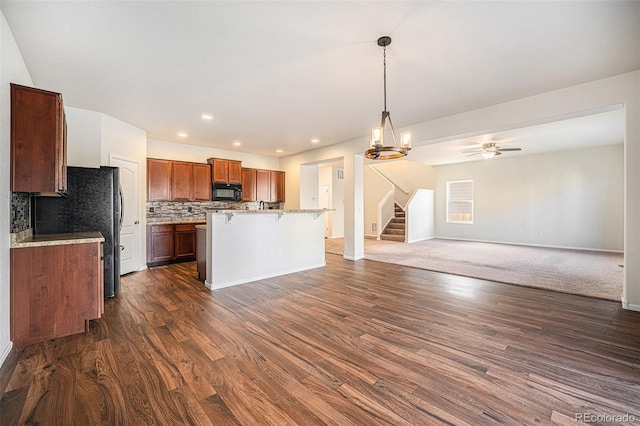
x=12, y=70
x=566, y=199
x=574, y=101
x=199, y=154
x=407, y=175
x=420, y=212
x=84, y=137
x=375, y=189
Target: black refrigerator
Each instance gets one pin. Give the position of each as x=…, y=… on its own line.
x=92, y=202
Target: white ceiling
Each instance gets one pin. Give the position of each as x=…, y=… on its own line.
x=277, y=74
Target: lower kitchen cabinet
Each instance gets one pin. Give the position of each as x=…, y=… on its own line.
x=55, y=291
x=171, y=243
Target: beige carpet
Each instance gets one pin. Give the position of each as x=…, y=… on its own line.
x=586, y=273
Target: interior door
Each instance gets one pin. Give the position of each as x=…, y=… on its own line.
x=323, y=203
x=130, y=230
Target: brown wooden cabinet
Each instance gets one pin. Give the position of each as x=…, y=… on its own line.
x=55, y=291
x=181, y=181
x=262, y=185
x=171, y=243
x=225, y=171
x=277, y=186
x=184, y=237
x=38, y=141
x=178, y=181
x=158, y=179
x=248, y=185
x=201, y=182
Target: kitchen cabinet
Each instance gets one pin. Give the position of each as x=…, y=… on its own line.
x=158, y=179
x=171, y=243
x=38, y=141
x=201, y=182
x=178, y=181
x=181, y=181
x=248, y=185
x=55, y=290
x=225, y=171
x=277, y=186
x=263, y=185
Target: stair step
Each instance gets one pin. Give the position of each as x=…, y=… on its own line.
x=398, y=238
x=395, y=225
x=401, y=220
x=393, y=231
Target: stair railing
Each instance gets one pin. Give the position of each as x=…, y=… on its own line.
x=388, y=179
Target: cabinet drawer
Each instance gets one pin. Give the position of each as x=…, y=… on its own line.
x=185, y=227
x=161, y=228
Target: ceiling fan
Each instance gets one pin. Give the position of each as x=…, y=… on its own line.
x=489, y=150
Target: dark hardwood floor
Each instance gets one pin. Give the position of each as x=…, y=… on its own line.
x=361, y=343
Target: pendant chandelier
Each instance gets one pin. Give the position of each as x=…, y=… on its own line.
x=378, y=151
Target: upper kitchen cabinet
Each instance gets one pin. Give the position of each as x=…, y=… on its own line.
x=178, y=181
x=262, y=185
x=38, y=141
x=248, y=185
x=225, y=171
x=181, y=181
x=277, y=186
x=158, y=179
x=201, y=182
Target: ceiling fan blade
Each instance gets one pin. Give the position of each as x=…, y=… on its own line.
x=509, y=149
x=498, y=153
x=474, y=154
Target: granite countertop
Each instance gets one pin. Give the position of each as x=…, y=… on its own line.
x=270, y=211
x=26, y=239
x=170, y=221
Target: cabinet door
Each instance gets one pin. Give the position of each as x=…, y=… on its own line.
x=55, y=291
x=185, y=241
x=277, y=186
x=263, y=185
x=235, y=171
x=158, y=180
x=159, y=243
x=201, y=182
x=181, y=181
x=248, y=185
x=38, y=148
x=220, y=170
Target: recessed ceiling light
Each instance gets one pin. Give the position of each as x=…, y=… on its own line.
x=315, y=140
x=237, y=143
x=182, y=134
x=279, y=150
x=207, y=116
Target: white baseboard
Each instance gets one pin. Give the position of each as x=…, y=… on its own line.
x=420, y=239
x=353, y=257
x=210, y=286
x=530, y=245
x=5, y=352
x=630, y=306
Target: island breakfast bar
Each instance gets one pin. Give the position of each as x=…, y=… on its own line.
x=250, y=245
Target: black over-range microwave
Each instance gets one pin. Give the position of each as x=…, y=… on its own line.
x=227, y=192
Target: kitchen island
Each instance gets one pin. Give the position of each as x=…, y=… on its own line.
x=250, y=245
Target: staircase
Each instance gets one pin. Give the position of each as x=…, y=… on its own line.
x=395, y=229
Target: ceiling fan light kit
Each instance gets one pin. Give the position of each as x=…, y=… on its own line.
x=490, y=150
x=377, y=150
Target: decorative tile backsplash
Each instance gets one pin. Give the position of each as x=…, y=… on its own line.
x=186, y=210
x=20, y=211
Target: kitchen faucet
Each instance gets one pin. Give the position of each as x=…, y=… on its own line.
x=261, y=205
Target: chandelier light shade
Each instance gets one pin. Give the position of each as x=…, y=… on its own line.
x=378, y=150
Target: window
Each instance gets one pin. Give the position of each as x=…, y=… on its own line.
x=460, y=201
